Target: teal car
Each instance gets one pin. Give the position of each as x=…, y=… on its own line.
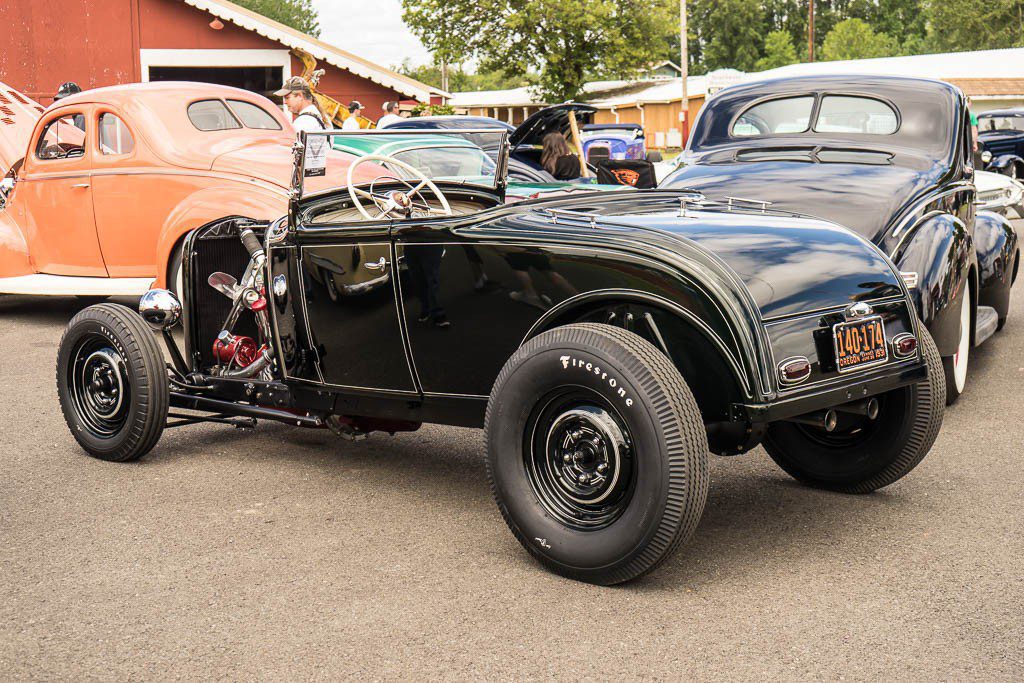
x=452, y=158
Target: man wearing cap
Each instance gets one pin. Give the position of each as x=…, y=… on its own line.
x=355, y=110
x=390, y=115
x=299, y=100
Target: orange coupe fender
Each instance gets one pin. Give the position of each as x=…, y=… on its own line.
x=14, y=256
x=211, y=204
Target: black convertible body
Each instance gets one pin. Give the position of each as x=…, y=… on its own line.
x=606, y=342
x=889, y=158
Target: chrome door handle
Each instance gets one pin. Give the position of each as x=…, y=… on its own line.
x=379, y=265
x=80, y=185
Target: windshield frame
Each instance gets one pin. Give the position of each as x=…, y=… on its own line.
x=297, y=189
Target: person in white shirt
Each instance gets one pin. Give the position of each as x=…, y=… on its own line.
x=299, y=100
x=355, y=110
x=390, y=115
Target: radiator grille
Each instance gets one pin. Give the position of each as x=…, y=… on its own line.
x=210, y=307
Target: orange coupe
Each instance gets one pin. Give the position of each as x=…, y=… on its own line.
x=100, y=189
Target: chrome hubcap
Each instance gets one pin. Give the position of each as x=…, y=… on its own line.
x=99, y=387
x=580, y=460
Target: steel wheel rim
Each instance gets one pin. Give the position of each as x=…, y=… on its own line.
x=963, y=350
x=579, y=459
x=100, y=390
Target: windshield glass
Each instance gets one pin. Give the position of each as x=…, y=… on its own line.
x=450, y=156
x=991, y=123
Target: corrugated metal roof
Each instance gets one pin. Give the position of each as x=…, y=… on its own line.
x=981, y=64
x=980, y=73
x=286, y=35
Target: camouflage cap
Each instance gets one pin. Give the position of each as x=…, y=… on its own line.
x=294, y=84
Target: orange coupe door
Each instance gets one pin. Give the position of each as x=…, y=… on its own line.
x=57, y=194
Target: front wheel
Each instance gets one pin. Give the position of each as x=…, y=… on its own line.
x=596, y=452
x=112, y=383
x=864, y=454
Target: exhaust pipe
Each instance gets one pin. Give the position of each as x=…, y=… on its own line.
x=822, y=419
x=867, y=408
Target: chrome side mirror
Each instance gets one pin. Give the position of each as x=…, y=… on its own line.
x=160, y=308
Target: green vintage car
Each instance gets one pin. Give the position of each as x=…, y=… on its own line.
x=451, y=157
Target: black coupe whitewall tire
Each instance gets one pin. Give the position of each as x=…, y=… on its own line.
x=112, y=383
x=861, y=457
x=955, y=367
x=596, y=452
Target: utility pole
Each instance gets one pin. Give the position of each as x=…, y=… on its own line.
x=810, y=32
x=684, y=69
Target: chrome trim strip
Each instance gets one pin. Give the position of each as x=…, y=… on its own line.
x=830, y=310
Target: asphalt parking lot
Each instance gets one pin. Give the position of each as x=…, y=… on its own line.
x=287, y=554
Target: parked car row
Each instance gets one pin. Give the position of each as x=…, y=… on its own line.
x=810, y=277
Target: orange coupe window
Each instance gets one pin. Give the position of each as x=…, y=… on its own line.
x=253, y=116
x=63, y=138
x=212, y=115
x=114, y=136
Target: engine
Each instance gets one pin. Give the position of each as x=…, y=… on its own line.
x=236, y=351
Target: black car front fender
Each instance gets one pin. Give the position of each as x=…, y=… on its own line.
x=995, y=242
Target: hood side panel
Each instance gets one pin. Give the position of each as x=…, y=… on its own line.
x=18, y=117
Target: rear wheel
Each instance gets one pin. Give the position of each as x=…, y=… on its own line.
x=596, y=452
x=112, y=383
x=861, y=454
x=955, y=367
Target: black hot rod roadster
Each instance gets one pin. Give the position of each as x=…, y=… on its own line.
x=887, y=157
x=605, y=343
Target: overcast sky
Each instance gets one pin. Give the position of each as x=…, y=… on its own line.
x=372, y=30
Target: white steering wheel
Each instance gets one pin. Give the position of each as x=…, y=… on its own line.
x=395, y=200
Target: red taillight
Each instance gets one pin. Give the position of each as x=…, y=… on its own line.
x=904, y=345
x=794, y=370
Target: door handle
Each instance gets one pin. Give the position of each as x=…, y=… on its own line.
x=80, y=185
x=379, y=265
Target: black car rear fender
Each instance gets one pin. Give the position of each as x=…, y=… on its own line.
x=712, y=366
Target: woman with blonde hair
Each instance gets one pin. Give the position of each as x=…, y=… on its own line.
x=557, y=159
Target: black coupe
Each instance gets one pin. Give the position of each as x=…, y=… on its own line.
x=890, y=158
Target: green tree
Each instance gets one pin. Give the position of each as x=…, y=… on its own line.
x=299, y=14
x=460, y=80
x=855, y=39
x=565, y=43
x=778, y=51
x=956, y=25
x=730, y=33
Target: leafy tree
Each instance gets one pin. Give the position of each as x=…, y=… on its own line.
x=778, y=51
x=299, y=14
x=730, y=33
x=460, y=80
x=565, y=43
x=955, y=25
x=855, y=39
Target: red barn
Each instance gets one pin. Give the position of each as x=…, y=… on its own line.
x=48, y=42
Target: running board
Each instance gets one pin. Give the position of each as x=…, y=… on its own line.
x=985, y=327
x=67, y=285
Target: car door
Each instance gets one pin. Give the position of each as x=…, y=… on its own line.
x=349, y=294
x=57, y=193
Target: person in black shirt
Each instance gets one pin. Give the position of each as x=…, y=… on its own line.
x=557, y=159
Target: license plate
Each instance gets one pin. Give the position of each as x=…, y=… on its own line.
x=859, y=344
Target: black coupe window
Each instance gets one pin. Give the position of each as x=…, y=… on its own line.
x=253, y=116
x=846, y=114
x=785, y=115
x=991, y=123
x=212, y=115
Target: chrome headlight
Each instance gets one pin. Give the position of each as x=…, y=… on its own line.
x=986, y=156
x=160, y=308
